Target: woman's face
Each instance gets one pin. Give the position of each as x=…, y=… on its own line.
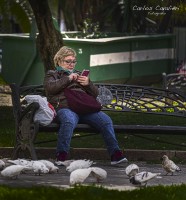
x=68, y=63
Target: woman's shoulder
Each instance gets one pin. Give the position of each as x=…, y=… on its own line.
x=51, y=71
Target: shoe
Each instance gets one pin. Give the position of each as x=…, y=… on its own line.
x=118, y=157
x=61, y=156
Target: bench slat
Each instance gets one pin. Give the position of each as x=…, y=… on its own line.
x=140, y=129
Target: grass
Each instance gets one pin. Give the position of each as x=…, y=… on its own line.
x=94, y=193
x=6, y=126
x=127, y=141
x=2, y=81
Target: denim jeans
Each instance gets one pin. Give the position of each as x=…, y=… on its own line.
x=99, y=120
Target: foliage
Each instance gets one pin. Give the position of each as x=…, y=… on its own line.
x=7, y=134
x=89, y=30
x=2, y=81
x=173, y=192
x=112, y=15
x=18, y=10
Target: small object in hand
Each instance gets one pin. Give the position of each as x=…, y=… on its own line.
x=85, y=72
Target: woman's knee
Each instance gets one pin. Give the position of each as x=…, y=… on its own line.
x=105, y=118
x=67, y=116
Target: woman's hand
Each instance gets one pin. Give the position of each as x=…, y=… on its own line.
x=83, y=80
x=73, y=76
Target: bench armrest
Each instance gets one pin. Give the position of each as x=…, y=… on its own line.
x=30, y=109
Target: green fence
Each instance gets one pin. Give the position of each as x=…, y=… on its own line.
x=130, y=59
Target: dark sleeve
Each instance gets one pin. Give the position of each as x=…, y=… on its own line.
x=54, y=83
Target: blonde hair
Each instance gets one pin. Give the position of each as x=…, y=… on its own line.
x=62, y=53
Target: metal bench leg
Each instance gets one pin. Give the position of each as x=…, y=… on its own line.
x=25, y=136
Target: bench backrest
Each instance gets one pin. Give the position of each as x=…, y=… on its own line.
x=145, y=99
x=129, y=98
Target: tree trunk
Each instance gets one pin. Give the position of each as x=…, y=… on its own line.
x=49, y=40
x=165, y=22
x=163, y=27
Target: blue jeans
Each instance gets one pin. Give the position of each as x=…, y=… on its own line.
x=99, y=120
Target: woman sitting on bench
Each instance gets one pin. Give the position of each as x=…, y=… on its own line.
x=65, y=76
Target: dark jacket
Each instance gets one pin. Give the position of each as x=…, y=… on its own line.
x=56, y=81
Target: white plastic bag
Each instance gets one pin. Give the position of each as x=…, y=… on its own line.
x=46, y=113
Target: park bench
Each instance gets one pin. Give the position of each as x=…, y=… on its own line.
x=126, y=98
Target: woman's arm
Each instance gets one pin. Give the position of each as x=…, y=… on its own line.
x=88, y=85
x=54, y=82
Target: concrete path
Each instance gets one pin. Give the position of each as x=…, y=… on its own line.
x=117, y=179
